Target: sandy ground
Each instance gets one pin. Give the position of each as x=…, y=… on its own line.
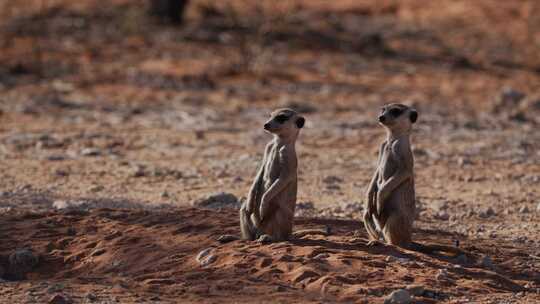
x=144, y=119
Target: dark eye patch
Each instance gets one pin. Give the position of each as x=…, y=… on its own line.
x=395, y=112
x=281, y=118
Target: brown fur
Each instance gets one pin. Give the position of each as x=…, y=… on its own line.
x=268, y=212
x=390, y=196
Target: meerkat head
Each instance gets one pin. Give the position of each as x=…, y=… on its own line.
x=284, y=122
x=397, y=116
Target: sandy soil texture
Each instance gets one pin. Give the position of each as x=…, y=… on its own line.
x=128, y=122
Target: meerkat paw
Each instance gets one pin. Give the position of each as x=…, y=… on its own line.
x=264, y=239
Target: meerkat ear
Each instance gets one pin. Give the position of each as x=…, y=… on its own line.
x=300, y=121
x=413, y=116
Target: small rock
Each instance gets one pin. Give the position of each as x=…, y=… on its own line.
x=59, y=299
x=205, y=257
x=226, y=238
x=139, y=171
x=90, y=152
x=164, y=194
x=415, y=290
x=400, y=296
x=488, y=212
x=442, y=215
x=538, y=207
x=524, y=209
x=69, y=205
x=218, y=201
x=91, y=297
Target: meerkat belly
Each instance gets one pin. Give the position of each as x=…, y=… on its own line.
x=388, y=170
x=271, y=172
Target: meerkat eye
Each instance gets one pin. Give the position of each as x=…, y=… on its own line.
x=281, y=118
x=395, y=112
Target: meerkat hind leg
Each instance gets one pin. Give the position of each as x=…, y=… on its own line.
x=247, y=229
x=371, y=229
x=397, y=231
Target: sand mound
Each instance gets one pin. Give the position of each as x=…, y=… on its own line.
x=132, y=255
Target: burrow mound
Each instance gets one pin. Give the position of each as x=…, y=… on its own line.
x=155, y=251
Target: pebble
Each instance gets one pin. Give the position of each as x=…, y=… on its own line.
x=205, y=257
x=91, y=297
x=400, y=296
x=488, y=212
x=442, y=215
x=90, y=152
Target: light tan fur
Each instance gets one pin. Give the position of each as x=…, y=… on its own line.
x=268, y=212
x=390, y=209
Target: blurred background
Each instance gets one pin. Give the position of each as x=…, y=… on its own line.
x=162, y=101
x=150, y=104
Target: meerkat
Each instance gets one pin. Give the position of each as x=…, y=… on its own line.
x=268, y=212
x=390, y=197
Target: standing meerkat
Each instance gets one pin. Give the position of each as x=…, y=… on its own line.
x=390, y=196
x=268, y=212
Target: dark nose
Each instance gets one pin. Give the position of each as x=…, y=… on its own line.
x=382, y=118
x=266, y=126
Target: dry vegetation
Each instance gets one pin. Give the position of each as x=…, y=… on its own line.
x=103, y=106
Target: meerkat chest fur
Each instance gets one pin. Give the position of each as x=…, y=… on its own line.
x=390, y=162
x=278, y=154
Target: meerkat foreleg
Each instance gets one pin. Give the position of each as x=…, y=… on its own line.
x=285, y=177
x=278, y=185
x=403, y=172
